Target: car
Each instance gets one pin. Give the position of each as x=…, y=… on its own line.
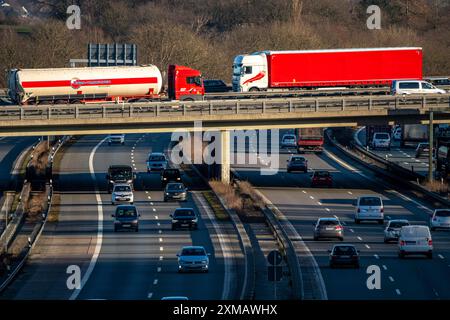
x=215, y=85
x=122, y=192
x=321, y=178
x=439, y=81
x=440, y=219
x=175, y=191
x=297, y=163
x=175, y=298
x=116, y=139
x=397, y=133
x=289, y=141
x=381, y=140
x=328, y=228
x=422, y=148
x=193, y=258
x=120, y=174
x=415, y=240
x=184, y=218
x=157, y=161
x=406, y=87
x=170, y=175
x=392, y=230
x=344, y=254
x=126, y=217
x=369, y=208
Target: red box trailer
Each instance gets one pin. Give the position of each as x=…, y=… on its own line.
x=325, y=68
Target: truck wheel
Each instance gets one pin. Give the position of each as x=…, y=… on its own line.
x=253, y=89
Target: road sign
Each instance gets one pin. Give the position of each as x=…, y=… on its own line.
x=274, y=257
x=275, y=273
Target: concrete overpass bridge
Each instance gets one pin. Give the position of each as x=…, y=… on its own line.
x=222, y=115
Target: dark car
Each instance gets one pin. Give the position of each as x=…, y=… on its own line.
x=423, y=148
x=297, y=163
x=321, y=178
x=439, y=81
x=215, y=86
x=175, y=191
x=170, y=175
x=126, y=217
x=328, y=228
x=119, y=174
x=184, y=218
x=344, y=254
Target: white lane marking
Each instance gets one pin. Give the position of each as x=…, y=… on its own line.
x=351, y=230
x=335, y=216
x=160, y=240
x=311, y=197
x=306, y=252
x=155, y=282
x=150, y=295
x=158, y=269
x=98, y=245
x=154, y=210
x=304, y=191
x=398, y=292
x=146, y=192
x=376, y=256
x=384, y=267
x=226, y=250
x=160, y=231
x=359, y=238
x=441, y=256
x=391, y=279
x=319, y=203
x=161, y=248
x=349, y=192
x=151, y=203
x=367, y=246
x=327, y=209
x=158, y=224
x=344, y=223
x=161, y=258
x=149, y=197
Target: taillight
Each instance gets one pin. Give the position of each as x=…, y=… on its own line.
x=430, y=242
x=338, y=228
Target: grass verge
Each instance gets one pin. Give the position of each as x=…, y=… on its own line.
x=216, y=206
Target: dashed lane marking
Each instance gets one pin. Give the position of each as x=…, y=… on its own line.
x=391, y=279
x=398, y=292
x=155, y=282
x=376, y=256
x=367, y=246
x=441, y=256
x=158, y=269
x=359, y=238
x=150, y=295
x=384, y=267
x=161, y=248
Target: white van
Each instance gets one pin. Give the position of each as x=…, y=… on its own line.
x=381, y=140
x=401, y=87
x=415, y=240
x=369, y=208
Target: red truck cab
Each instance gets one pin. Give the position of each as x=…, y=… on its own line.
x=185, y=84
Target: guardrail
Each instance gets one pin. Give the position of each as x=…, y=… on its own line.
x=224, y=107
x=286, y=245
x=35, y=235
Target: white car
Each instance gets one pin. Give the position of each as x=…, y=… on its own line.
x=289, y=141
x=193, y=258
x=397, y=133
x=405, y=87
x=440, y=219
x=392, y=230
x=122, y=192
x=415, y=240
x=116, y=139
x=369, y=208
x=157, y=161
x=381, y=140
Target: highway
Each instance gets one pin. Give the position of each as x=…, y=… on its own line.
x=405, y=157
x=124, y=265
x=413, y=278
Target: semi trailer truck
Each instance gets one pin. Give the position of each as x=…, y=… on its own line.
x=103, y=84
x=309, y=139
x=278, y=70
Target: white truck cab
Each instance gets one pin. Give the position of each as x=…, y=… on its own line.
x=250, y=72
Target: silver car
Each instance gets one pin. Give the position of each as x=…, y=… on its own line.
x=116, y=139
x=392, y=230
x=157, y=161
x=122, y=192
x=328, y=228
x=193, y=258
x=175, y=191
x=440, y=219
x=369, y=208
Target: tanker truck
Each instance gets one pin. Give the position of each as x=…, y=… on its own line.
x=103, y=84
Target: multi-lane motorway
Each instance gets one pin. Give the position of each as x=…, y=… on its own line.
x=125, y=265
x=413, y=278
x=128, y=265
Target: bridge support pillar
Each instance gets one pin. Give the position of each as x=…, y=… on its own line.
x=431, y=142
x=225, y=156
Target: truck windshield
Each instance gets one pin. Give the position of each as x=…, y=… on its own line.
x=121, y=174
x=237, y=69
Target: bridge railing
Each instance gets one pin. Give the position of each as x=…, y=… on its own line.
x=224, y=107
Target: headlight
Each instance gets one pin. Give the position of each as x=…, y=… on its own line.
x=167, y=193
x=164, y=178
x=111, y=181
x=204, y=261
